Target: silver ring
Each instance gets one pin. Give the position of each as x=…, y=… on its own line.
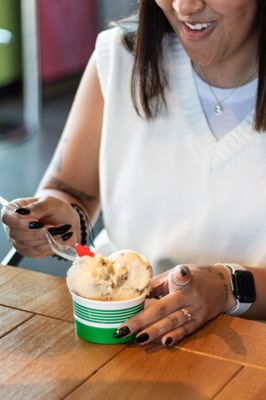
x=182, y=285
x=14, y=204
x=186, y=313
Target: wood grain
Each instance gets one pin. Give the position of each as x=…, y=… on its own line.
x=231, y=338
x=249, y=384
x=35, y=292
x=170, y=374
x=10, y=318
x=43, y=359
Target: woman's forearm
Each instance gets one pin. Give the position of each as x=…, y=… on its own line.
x=257, y=309
x=61, y=190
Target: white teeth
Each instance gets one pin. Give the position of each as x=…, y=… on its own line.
x=197, y=27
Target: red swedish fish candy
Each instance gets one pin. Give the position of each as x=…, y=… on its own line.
x=83, y=250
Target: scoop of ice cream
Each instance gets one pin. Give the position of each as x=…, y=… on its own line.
x=91, y=277
x=123, y=275
x=132, y=272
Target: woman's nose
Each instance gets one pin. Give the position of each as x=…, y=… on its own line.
x=188, y=7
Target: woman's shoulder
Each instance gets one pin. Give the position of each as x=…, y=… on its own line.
x=113, y=36
x=111, y=47
x=113, y=59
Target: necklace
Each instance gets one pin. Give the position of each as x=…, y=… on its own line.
x=218, y=108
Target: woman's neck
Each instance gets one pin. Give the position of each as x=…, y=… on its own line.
x=226, y=78
x=233, y=71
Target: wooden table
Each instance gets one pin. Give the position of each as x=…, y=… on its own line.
x=41, y=358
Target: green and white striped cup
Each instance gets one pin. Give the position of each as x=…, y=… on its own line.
x=97, y=320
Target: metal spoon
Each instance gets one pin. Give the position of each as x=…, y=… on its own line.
x=62, y=250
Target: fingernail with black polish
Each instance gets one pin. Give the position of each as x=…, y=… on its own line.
x=183, y=271
x=60, y=230
x=67, y=236
x=168, y=341
x=124, y=331
x=23, y=211
x=35, y=225
x=142, y=338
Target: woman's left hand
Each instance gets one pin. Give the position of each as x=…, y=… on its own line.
x=190, y=295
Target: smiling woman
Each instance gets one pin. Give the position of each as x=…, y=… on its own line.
x=175, y=180
x=218, y=36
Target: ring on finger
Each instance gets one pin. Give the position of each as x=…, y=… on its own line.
x=181, y=284
x=186, y=313
x=169, y=323
x=13, y=206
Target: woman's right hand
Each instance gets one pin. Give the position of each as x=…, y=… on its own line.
x=190, y=295
x=24, y=219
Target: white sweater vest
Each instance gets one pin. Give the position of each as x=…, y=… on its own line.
x=169, y=189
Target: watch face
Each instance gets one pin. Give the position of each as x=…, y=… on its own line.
x=244, y=286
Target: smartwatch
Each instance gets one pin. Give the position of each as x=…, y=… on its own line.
x=243, y=288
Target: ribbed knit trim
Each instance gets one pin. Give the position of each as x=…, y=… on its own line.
x=105, y=45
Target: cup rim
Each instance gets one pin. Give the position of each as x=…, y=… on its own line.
x=93, y=301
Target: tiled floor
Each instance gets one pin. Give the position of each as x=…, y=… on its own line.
x=23, y=160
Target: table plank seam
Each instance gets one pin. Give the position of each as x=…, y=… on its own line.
x=228, y=382
x=95, y=372
x=16, y=326
x=35, y=312
x=243, y=363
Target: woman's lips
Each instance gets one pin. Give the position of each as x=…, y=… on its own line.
x=195, y=34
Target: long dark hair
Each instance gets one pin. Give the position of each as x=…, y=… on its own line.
x=260, y=112
x=149, y=77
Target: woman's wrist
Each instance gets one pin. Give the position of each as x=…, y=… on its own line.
x=86, y=233
x=82, y=223
x=228, y=298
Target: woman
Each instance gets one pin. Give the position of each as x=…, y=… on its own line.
x=161, y=137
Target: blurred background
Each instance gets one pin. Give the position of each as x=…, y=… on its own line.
x=44, y=47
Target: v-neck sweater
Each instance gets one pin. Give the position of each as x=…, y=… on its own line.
x=169, y=189
x=236, y=104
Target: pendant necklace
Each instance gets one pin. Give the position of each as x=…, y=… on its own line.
x=218, y=108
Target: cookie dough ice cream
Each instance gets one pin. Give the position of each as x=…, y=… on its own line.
x=123, y=275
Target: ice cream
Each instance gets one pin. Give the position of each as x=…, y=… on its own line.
x=123, y=275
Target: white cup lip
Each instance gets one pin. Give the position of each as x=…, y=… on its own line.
x=137, y=299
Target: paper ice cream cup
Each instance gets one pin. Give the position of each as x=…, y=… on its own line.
x=97, y=321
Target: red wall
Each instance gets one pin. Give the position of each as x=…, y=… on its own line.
x=67, y=32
